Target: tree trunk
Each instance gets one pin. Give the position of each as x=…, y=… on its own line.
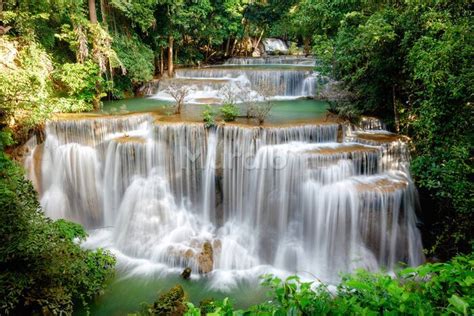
x=395, y=111
x=233, y=47
x=1, y=6
x=306, y=45
x=104, y=14
x=258, y=41
x=227, y=47
x=170, y=56
x=162, y=61
x=92, y=12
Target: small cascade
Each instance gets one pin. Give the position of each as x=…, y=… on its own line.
x=126, y=158
x=272, y=60
x=280, y=77
x=274, y=46
x=309, y=85
x=282, y=82
x=234, y=199
x=372, y=123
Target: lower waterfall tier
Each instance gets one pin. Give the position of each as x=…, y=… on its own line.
x=233, y=198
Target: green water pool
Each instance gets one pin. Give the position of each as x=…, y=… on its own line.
x=125, y=295
x=282, y=111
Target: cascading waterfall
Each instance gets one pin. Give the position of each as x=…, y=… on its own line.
x=290, y=77
x=209, y=178
x=274, y=45
x=282, y=82
x=272, y=60
x=290, y=199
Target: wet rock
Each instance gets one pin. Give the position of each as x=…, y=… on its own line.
x=205, y=258
x=186, y=274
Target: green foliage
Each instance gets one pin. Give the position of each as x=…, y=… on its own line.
x=431, y=289
x=44, y=269
x=80, y=81
x=229, y=112
x=140, y=13
x=209, y=117
x=6, y=139
x=448, y=286
x=293, y=49
x=24, y=84
x=31, y=89
x=345, y=110
x=137, y=58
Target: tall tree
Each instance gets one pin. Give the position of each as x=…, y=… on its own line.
x=170, y=55
x=92, y=12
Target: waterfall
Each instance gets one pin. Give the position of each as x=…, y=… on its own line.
x=274, y=45
x=291, y=198
x=209, y=181
x=288, y=78
x=283, y=82
x=272, y=60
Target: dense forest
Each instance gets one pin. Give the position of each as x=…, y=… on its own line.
x=407, y=62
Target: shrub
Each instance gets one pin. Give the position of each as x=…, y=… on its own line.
x=81, y=81
x=208, y=116
x=229, y=112
x=136, y=57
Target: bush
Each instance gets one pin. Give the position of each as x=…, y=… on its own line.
x=44, y=269
x=81, y=81
x=229, y=112
x=208, y=116
x=31, y=89
x=137, y=58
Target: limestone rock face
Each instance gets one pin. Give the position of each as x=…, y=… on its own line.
x=205, y=258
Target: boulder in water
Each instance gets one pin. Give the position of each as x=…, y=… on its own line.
x=186, y=274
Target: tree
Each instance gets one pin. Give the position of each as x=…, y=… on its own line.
x=179, y=94
x=92, y=12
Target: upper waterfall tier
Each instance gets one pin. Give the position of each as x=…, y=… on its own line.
x=246, y=83
x=272, y=60
x=274, y=46
x=289, y=197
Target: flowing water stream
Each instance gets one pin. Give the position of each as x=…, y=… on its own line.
x=232, y=202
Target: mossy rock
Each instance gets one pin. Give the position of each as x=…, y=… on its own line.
x=171, y=303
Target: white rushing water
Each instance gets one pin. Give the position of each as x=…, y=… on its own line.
x=274, y=45
x=272, y=60
x=276, y=199
x=282, y=77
